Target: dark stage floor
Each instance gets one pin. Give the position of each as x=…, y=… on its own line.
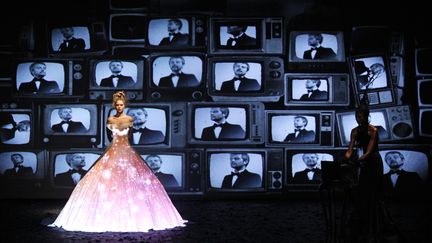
x=212, y=221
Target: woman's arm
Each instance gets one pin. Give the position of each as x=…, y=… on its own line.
x=349, y=152
x=372, y=143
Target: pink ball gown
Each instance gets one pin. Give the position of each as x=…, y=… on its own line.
x=120, y=193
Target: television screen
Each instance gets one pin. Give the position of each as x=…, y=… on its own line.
x=117, y=74
x=423, y=88
x=16, y=127
x=238, y=35
x=69, y=168
x=238, y=77
x=127, y=27
x=366, y=39
x=168, y=168
x=423, y=61
x=169, y=32
x=70, y=39
x=5, y=67
x=41, y=77
x=177, y=71
x=317, y=46
x=314, y=89
x=425, y=119
x=242, y=170
x=370, y=73
x=18, y=164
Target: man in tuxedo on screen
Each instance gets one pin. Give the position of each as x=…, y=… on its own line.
x=221, y=129
x=38, y=85
x=310, y=175
x=140, y=133
x=117, y=80
x=67, y=125
x=239, y=37
x=240, y=177
x=177, y=78
x=240, y=83
x=313, y=92
x=155, y=162
x=398, y=181
x=18, y=169
x=300, y=134
x=70, y=43
x=76, y=172
x=318, y=52
x=175, y=37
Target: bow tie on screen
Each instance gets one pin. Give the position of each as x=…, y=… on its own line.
x=298, y=130
x=310, y=91
x=65, y=122
x=218, y=125
x=141, y=130
x=395, y=172
x=115, y=76
x=311, y=170
x=314, y=48
x=40, y=80
x=175, y=74
x=76, y=171
x=18, y=166
x=173, y=34
x=235, y=173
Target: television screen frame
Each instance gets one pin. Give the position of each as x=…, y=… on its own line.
x=40, y=168
x=419, y=98
x=115, y=39
x=418, y=72
x=33, y=125
x=420, y=117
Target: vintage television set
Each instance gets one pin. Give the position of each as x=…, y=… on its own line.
x=49, y=78
x=176, y=33
x=303, y=165
x=246, y=35
x=75, y=38
x=305, y=55
x=181, y=171
x=369, y=39
x=17, y=127
x=371, y=76
x=317, y=89
x=423, y=61
x=64, y=163
x=127, y=27
x=163, y=124
x=6, y=60
x=69, y=125
x=247, y=78
x=425, y=119
x=406, y=169
x=393, y=123
x=176, y=76
x=223, y=123
x=130, y=5
x=109, y=75
x=311, y=128
x=263, y=172
x=424, y=86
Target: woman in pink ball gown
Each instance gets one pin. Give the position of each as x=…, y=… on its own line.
x=120, y=193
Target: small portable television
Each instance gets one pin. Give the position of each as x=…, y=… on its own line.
x=127, y=27
x=393, y=124
x=223, y=123
x=48, y=78
x=423, y=61
x=425, y=119
x=17, y=128
x=317, y=89
x=371, y=77
x=68, y=167
x=176, y=76
x=246, y=36
x=304, y=168
x=155, y=125
x=246, y=78
x=406, y=169
x=75, y=38
x=309, y=128
x=69, y=124
x=129, y=5
x=424, y=86
x=237, y=170
x=109, y=75
x=179, y=170
x=316, y=51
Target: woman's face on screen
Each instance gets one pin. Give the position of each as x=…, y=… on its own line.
x=119, y=106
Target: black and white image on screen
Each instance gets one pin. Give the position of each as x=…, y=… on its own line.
x=238, y=36
x=405, y=171
x=17, y=164
x=40, y=78
x=167, y=168
x=316, y=46
x=236, y=170
x=293, y=129
x=70, y=120
x=15, y=128
x=370, y=73
x=169, y=32
x=314, y=89
x=306, y=167
x=233, y=77
x=220, y=123
x=377, y=119
x=177, y=71
x=116, y=74
x=70, y=39
x=70, y=168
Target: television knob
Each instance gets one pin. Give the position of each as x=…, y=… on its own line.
x=156, y=95
x=274, y=64
x=46, y=140
x=399, y=109
x=275, y=74
x=132, y=96
x=93, y=140
x=277, y=184
x=194, y=166
x=13, y=105
x=177, y=113
x=199, y=22
x=197, y=95
x=277, y=175
x=77, y=76
x=195, y=155
x=199, y=29
x=394, y=118
x=77, y=67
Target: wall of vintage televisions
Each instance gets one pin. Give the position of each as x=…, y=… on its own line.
x=209, y=93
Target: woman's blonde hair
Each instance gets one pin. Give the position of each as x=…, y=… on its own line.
x=120, y=95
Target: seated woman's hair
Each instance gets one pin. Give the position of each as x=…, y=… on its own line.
x=363, y=109
x=119, y=95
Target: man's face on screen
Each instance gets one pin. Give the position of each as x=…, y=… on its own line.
x=237, y=161
x=216, y=114
x=234, y=30
x=77, y=161
x=16, y=160
x=67, y=32
x=65, y=114
x=39, y=70
x=310, y=160
x=240, y=69
x=394, y=160
x=154, y=163
x=176, y=64
x=299, y=123
x=172, y=26
x=116, y=67
x=313, y=40
x=139, y=117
